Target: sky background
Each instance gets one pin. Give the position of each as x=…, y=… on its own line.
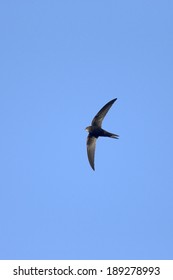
x=61, y=61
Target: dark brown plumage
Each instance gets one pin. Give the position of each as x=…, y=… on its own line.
x=95, y=131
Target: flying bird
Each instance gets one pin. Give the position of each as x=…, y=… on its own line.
x=95, y=130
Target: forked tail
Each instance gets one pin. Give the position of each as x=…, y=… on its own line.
x=114, y=136
x=108, y=134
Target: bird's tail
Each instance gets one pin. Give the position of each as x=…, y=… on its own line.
x=108, y=134
x=114, y=136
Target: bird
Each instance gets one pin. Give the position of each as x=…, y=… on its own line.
x=95, y=130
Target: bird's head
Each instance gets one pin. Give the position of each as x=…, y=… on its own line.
x=88, y=128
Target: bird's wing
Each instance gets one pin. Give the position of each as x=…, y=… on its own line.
x=91, y=145
x=97, y=121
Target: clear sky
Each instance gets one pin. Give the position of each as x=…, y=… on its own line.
x=61, y=61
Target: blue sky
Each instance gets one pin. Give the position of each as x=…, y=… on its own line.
x=61, y=61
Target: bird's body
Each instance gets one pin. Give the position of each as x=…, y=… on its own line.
x=95, y=130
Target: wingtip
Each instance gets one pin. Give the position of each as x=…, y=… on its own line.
x=93, y=168
x=113, y=100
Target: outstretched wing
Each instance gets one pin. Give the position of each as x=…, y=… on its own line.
x=97, y=121
x=91, y=145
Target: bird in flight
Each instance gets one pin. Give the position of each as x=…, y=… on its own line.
x=95, y=130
